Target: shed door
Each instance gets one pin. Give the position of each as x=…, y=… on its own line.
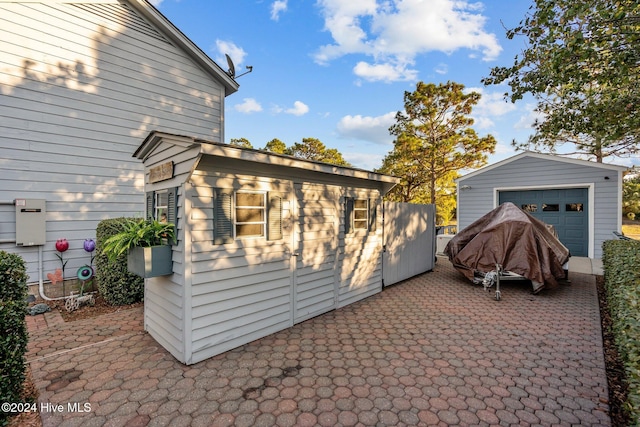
x=315, y=288
x=565, y=209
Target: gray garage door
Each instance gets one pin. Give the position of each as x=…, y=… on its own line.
x=565, y=209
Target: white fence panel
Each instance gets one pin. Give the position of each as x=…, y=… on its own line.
x=409, y=232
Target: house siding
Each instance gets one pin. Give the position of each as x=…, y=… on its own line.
x=82, y=85
x=530, y=173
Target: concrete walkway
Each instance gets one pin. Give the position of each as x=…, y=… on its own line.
x=434, y=351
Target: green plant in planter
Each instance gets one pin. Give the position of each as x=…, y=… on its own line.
x=138, y=233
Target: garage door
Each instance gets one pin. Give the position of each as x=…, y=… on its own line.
x=565, y=209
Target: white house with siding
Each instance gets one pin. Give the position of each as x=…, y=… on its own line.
x=265, y=241
x=82, y=83
x=581, y=199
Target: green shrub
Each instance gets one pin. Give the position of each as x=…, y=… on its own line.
x=115, y=283
x=13, y=328
x=621, y=261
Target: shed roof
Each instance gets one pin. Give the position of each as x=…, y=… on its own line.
x=216, y=149
x=549, y=157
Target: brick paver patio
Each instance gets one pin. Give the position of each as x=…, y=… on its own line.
x=434, y=350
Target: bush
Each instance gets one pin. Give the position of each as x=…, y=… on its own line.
x=115, y=283
x=621, y=261
x=13, y=342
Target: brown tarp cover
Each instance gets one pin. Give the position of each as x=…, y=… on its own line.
x=514, y=239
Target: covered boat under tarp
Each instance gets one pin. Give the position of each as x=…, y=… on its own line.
x=514, y=240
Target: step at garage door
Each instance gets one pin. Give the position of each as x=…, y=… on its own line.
x=566, y=209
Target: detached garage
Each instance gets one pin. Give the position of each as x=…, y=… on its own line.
x=581, y=199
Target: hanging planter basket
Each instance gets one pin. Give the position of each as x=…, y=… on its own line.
x=152, y=261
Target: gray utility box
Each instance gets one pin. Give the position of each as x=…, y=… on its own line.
x=31, y=217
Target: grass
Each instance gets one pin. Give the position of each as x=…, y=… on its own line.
x=631, y=229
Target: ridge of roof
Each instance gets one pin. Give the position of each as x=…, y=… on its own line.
x=543, y=156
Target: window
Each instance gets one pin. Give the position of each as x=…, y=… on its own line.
x=529, y=207
x=250, y=210
x=360, y=214
x=161, y=205
x=550, y=208
x=573, y=207
x=246, y=214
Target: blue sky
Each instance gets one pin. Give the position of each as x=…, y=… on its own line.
x=337, y=70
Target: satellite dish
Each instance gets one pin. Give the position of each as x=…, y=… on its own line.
x=232, y=68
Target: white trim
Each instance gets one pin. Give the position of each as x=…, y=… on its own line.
x=590, y=186
x=543, y=157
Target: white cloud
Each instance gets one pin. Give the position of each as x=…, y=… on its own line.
x=278, y=7
x=528, y=118
x=366, y=128
x=236, y=53
x=384, y=72
x=248, y=106
x=299, y=109
x=155, y=3
x=396, y=31
x=442, y=68
x=367, y=161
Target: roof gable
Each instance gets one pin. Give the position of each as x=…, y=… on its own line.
x=549, y=157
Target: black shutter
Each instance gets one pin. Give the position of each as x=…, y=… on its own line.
x=222, y=223
x=373, y=215
x=274, y=216
x=151, y=201
x=348, y=215
x=172, y=206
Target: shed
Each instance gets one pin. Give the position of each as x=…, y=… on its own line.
x=581, y=199
x=265, y=241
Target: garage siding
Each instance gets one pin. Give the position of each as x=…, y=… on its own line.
x=478, y=192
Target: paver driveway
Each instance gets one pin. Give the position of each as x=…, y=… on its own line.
x=433, y=350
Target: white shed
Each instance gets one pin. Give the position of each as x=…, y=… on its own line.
x=265, y=241
x=581, y=199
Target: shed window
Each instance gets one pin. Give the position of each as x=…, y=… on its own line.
x=360, y=214
x=250, y=210
x=161, y=205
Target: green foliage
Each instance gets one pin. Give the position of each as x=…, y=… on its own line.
x=241, y=142
x=13, y=328
x=276, y=146
x=313, y=149
x=582, y=64
x=434, y=140
x=621, y=261
x=631, y=197
x=115, y=283
x=137, y=232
